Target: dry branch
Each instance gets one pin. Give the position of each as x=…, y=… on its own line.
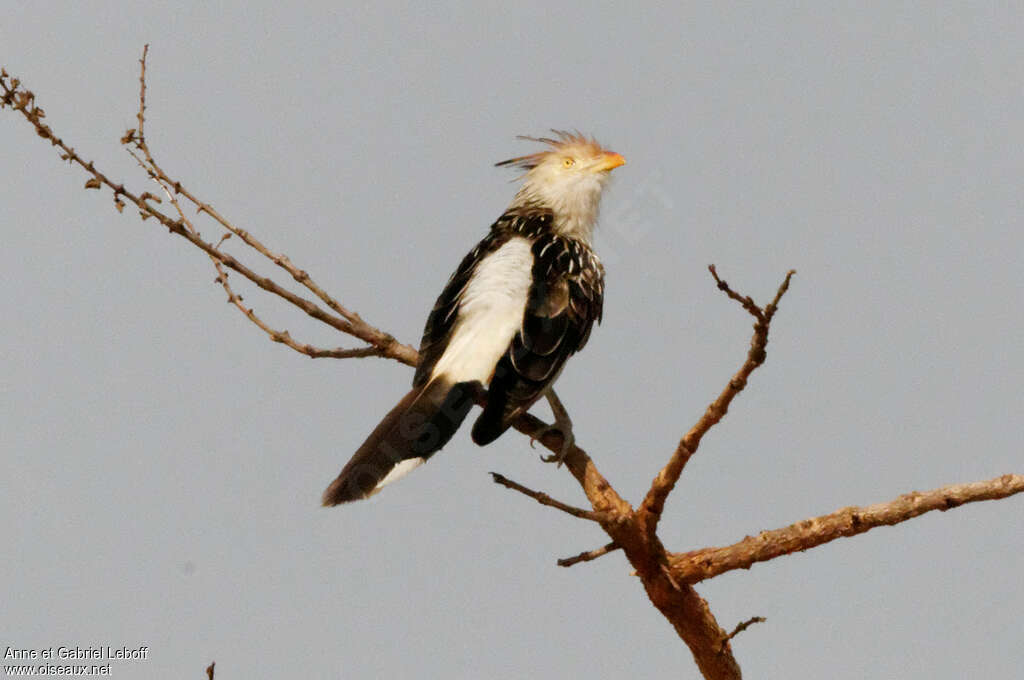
x=743, y=625
x=706, y=563
x=547, y=500
x=13, y=95
x=589, y=555
x=654, y=503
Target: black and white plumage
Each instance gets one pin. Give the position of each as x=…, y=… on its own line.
x=519, y=305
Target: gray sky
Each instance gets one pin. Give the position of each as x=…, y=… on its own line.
x=163, y=460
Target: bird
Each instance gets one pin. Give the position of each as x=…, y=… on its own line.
x=518, y=306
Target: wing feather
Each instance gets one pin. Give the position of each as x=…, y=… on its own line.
x=443, y=319
x=565, y=301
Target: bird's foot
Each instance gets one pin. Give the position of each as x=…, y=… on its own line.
x=563, y=425
x=568, y=442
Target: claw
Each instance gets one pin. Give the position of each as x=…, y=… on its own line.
x=562, y=424
x=568, y=442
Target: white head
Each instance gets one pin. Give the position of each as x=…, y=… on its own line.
x=566, y=180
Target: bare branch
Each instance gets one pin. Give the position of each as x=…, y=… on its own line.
x=545, y=499
x=280, y=336
x=743, y=625
x=703, y=564
x=687, y=611
x=168, y=184
x=141, y=116
x=283, y=336
x=600, y=493
x=23, y=101
x=139, y=140
x=589, y=555
x=745, y=300
x=653, y=505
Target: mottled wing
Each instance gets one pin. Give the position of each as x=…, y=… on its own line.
x=442, y=317
x=565, y=301
x=441, y=322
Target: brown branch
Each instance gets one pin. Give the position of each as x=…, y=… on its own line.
x=688, y=613
x=743, y=625
x=699, y=565
x=281, y=260
x=589, y=555
x=547, y=500
x=654, y=503
x=359, y=327
x=23, y=101
x=600, y=493
x=283, y=336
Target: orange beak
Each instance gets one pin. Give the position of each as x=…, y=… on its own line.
x=611, y=161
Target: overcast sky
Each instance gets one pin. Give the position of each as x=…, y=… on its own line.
x=163, y=461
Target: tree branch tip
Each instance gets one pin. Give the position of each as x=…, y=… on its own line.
x=589, y=555
x=545, y=499
x=742, y=626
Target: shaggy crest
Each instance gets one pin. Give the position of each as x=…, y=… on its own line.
x=566, y=140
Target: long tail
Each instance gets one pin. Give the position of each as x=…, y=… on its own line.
x=417, y=427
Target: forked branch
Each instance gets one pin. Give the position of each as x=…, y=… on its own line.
x=13, y=95
x=665, y=481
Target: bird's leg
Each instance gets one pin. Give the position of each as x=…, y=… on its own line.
x=563, y=423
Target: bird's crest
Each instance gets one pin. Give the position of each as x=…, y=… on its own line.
x=566, y=139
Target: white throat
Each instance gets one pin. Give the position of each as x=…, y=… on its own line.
x=574, y=203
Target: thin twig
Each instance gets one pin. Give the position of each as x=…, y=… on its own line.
x=283, y=336
x=280, y=336
x=11, y=94
x=745, y=300
x=706, y=563
x=167, y=184
x=589, y=555
x=279, y=259
x=545, y=499
x=141, y=116
x=743, y=625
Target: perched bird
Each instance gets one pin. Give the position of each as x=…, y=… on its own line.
x=521, y=303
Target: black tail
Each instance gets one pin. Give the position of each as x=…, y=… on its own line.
x=417, y=427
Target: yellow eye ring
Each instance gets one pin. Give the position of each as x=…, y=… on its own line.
x=568, y=162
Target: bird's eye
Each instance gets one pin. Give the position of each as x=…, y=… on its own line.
x=568, y=163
